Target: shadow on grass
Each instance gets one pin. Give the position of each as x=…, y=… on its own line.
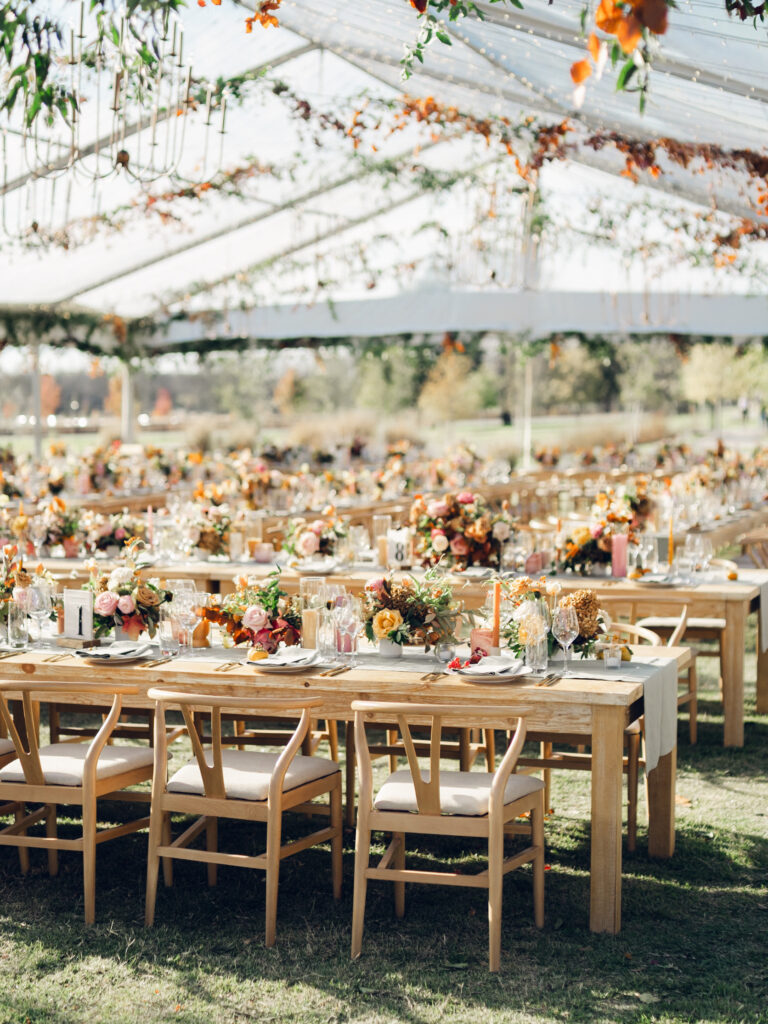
x=692, y=943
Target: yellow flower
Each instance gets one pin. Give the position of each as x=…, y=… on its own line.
x=385, y=621
x=582, y=535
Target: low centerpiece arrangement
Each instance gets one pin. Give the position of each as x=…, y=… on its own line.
x=123, y=599
x=316, y=538
x=534, y=604
x=410, y=612
x=209, y=529
x=599, y=542
x=258, y=613
x=460, y=530
x=109, y=534
x=62, y=527
x=16, y=578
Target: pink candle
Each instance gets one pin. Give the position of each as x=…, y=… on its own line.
x=619, y=543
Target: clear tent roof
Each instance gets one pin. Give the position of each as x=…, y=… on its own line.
x=316, y=223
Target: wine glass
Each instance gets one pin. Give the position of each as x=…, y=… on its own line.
x=348, y=620
x=38, y=531
x=39, y=606
x=565, y=629
x=184, y=605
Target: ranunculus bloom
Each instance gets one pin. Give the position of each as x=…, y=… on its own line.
x=105, y=603
x=465, y=497
x=385, y=621
x=435, y=509
x=440, y=543
x=119, y=577
x=255, y=618
x=460, y=546
x=307, y=544
x=126, y=604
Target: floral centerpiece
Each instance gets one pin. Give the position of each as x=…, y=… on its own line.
x=62, y=526
x=209, y=528
x=124, y=599
x=524, y=624
x=14, y=577
x=114, y=531
x=411, y=611
x=592, y=544
x=308, y=539
x=258, y=613
x=460, y=530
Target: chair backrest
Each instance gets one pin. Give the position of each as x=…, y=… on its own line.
x=29, y=753
x=724, y=563
x=637, y=633
x=679, y=631
x=212, y=768
x=755, y=544
x=435, y=716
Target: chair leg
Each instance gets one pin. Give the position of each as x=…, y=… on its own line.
x=167, y=861
x=362, y=857
x=398, y=863
x=333, y=738
x=537, y=834
x=274, y=830
x=53, y=722
x=693, y=704
x=157, y=835
x=350, y=776
x=546, y=751
x=495, y=881
x=212, y=845
x=20, y=812
x=490, y=750
x=633, y=768
x=50, y=831
x=337, y=843
x=89, y=858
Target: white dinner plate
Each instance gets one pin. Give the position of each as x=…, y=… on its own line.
x=121, y=652
x=494, y=670
x=279, y=663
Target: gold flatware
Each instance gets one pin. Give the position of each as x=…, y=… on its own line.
x=430, y=677
x=57, y=657
x=335, y=671
x=226, y=666
x=551, y=681
x=544, y=681
x=11, y=654
x=157, y=661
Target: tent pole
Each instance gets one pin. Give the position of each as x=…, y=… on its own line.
x=527, y=445
x=37, y=402
x=126, y=406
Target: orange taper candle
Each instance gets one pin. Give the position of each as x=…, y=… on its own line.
x=671, y=542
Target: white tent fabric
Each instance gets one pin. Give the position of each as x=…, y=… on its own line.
x=328, y=218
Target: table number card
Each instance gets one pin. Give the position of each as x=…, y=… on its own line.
x=78, y=614
x=399, y=548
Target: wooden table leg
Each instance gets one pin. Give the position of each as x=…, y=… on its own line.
x=733, y=674
x=660, y=789
x=607, y=779
x=762, y=672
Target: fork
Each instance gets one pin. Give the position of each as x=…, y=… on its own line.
x=226, y=666
x=57, y=657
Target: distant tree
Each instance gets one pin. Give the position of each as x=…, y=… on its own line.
x=163, y=403
x=450, y=392
x=50, y=395
x=650, y=375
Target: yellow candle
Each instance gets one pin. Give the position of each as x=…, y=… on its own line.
x=382, y=550
x=671, y=543
x=496, y=612
x=309, y=624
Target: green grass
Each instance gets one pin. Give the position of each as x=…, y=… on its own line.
x=692, y=947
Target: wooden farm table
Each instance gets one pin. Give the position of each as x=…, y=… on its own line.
x=597, y=708
x=731, y=601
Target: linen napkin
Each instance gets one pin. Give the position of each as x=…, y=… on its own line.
x=493, y=666
x=115, y=651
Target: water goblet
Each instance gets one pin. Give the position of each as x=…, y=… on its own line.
x=565, y=629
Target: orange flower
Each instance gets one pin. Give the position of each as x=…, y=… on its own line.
x=652, y=14
x=629, y=33
x=593, y=45
x=608, y=16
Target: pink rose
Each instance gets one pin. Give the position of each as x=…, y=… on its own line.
x=255, y=618
x=120, y=533
x=308, y=544
x=375, y=587
x=596, y=531
x=465, y=498
x=435, y=509
x=105, y=603
x=126, y=604
x=437, y=533
x=317, y=527
x=460, y=546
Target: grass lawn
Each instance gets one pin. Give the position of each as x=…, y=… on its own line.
x=693, y=945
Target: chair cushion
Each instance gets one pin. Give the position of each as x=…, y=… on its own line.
x=466, y=793
x=247, y=774
x=6, y=746
x=63, y=763
x=662, y=622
